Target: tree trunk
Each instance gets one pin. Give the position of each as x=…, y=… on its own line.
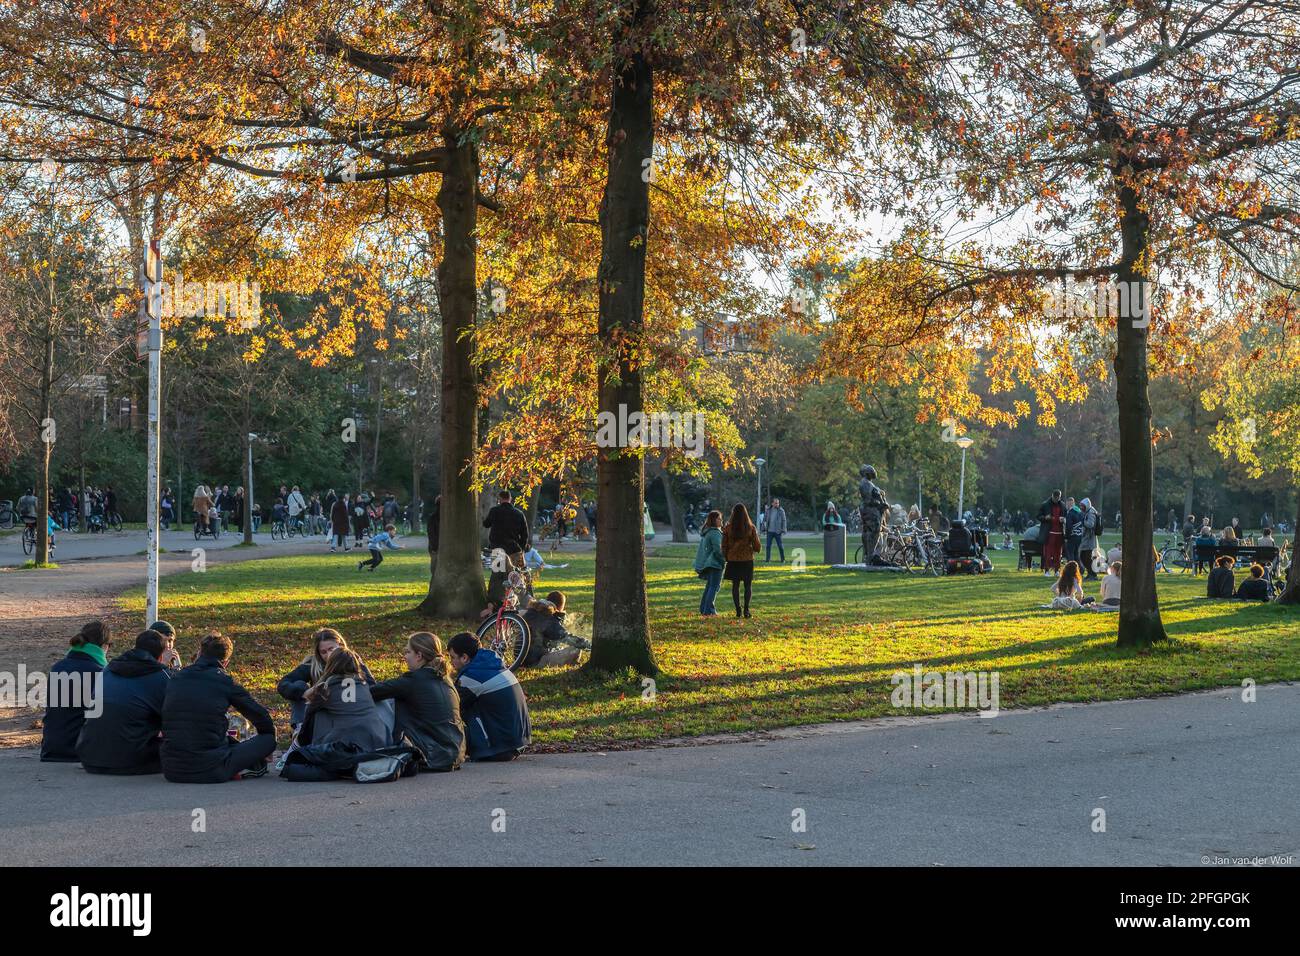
x=675, y=517
x=620, y=622
x=457, y=589
x=1139, y=612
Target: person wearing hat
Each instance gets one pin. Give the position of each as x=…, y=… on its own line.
x=170, y=656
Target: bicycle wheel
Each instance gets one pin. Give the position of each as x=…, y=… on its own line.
x=115, y=522
x=6, y=520
x=857, y=555
x=508, y=635
x=1171, y=558
x=29, y=540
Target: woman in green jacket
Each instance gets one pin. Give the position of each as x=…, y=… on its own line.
x=709, y=561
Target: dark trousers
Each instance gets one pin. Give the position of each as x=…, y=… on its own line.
x=240, y=757
x=376, y=559
x=775, y=536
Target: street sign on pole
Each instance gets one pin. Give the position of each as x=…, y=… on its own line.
x=152, y=307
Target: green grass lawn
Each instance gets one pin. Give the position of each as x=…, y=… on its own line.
x=821, y=646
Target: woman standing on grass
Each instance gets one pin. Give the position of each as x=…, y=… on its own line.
x=739, y=545
x=709, y=562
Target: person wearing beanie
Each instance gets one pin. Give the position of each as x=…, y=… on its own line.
x=73, y=691
x=125, y=738
x=170, y=656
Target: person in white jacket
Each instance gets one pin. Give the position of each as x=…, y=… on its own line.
x=296, y=503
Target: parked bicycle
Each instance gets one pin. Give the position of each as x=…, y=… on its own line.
x=506, y=632
x=1175, y=554
x=8, y=517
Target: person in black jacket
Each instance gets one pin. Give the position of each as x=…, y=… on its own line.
x=74, y=692
x=124, y=738
x=551, y=644
x=427, y=704
x=196, y=746
x=508, y=533
x=293, y=685
x=492, y=704
x=1221, y=579
x=1255, y=587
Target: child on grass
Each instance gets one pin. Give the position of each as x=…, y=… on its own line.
x=383, y=539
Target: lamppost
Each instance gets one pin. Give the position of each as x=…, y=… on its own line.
x=964, y=442
x=248, y=501
x=758, y=510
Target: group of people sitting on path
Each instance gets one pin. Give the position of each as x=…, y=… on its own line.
x=143, y=713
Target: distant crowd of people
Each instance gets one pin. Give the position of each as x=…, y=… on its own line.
x=152, y=715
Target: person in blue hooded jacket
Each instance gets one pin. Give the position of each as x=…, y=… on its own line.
x=124, y=738
x=492, y=704
x=75, y=688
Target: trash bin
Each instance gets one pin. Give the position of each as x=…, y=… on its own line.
x=833, y=545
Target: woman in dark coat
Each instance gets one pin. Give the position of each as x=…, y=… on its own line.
x=339, y=524
x=68, y=697
x=427, y=703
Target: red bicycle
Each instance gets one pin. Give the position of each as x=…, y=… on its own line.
x=506, y=632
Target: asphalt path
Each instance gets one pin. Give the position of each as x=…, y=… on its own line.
x=1190, y=780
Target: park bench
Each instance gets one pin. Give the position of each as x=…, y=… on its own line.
x=1243, y=554
x=1029, y=549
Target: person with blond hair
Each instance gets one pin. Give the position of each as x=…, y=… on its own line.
x=427, y=704
x=294, y=685
x=202, y=504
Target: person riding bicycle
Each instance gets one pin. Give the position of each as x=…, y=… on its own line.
x=280, y=513
x=27, y=507
x=296, y=504
x=874, y=505
x=110, y=503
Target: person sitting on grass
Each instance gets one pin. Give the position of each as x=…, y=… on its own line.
x=427, y=704
x=293, y=686
x=1221, y=580
x=1067, y=592
x=1255, y=587
x=74, y=688
x=1110, y=585
x=124, y=738
x=492, y=704
x=170, y=656
x=552, y=645
x=340, y=708
x=385, y=539
x=196, y=745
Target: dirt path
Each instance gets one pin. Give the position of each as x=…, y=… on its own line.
x=40, y=610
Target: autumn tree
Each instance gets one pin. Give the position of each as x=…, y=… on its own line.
x=1146, y=150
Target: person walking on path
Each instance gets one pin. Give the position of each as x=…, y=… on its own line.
x=777, y=525
x=739, y=545
x=339, y=524
x=709, y=562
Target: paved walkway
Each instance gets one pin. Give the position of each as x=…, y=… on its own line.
x=1179, y=778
